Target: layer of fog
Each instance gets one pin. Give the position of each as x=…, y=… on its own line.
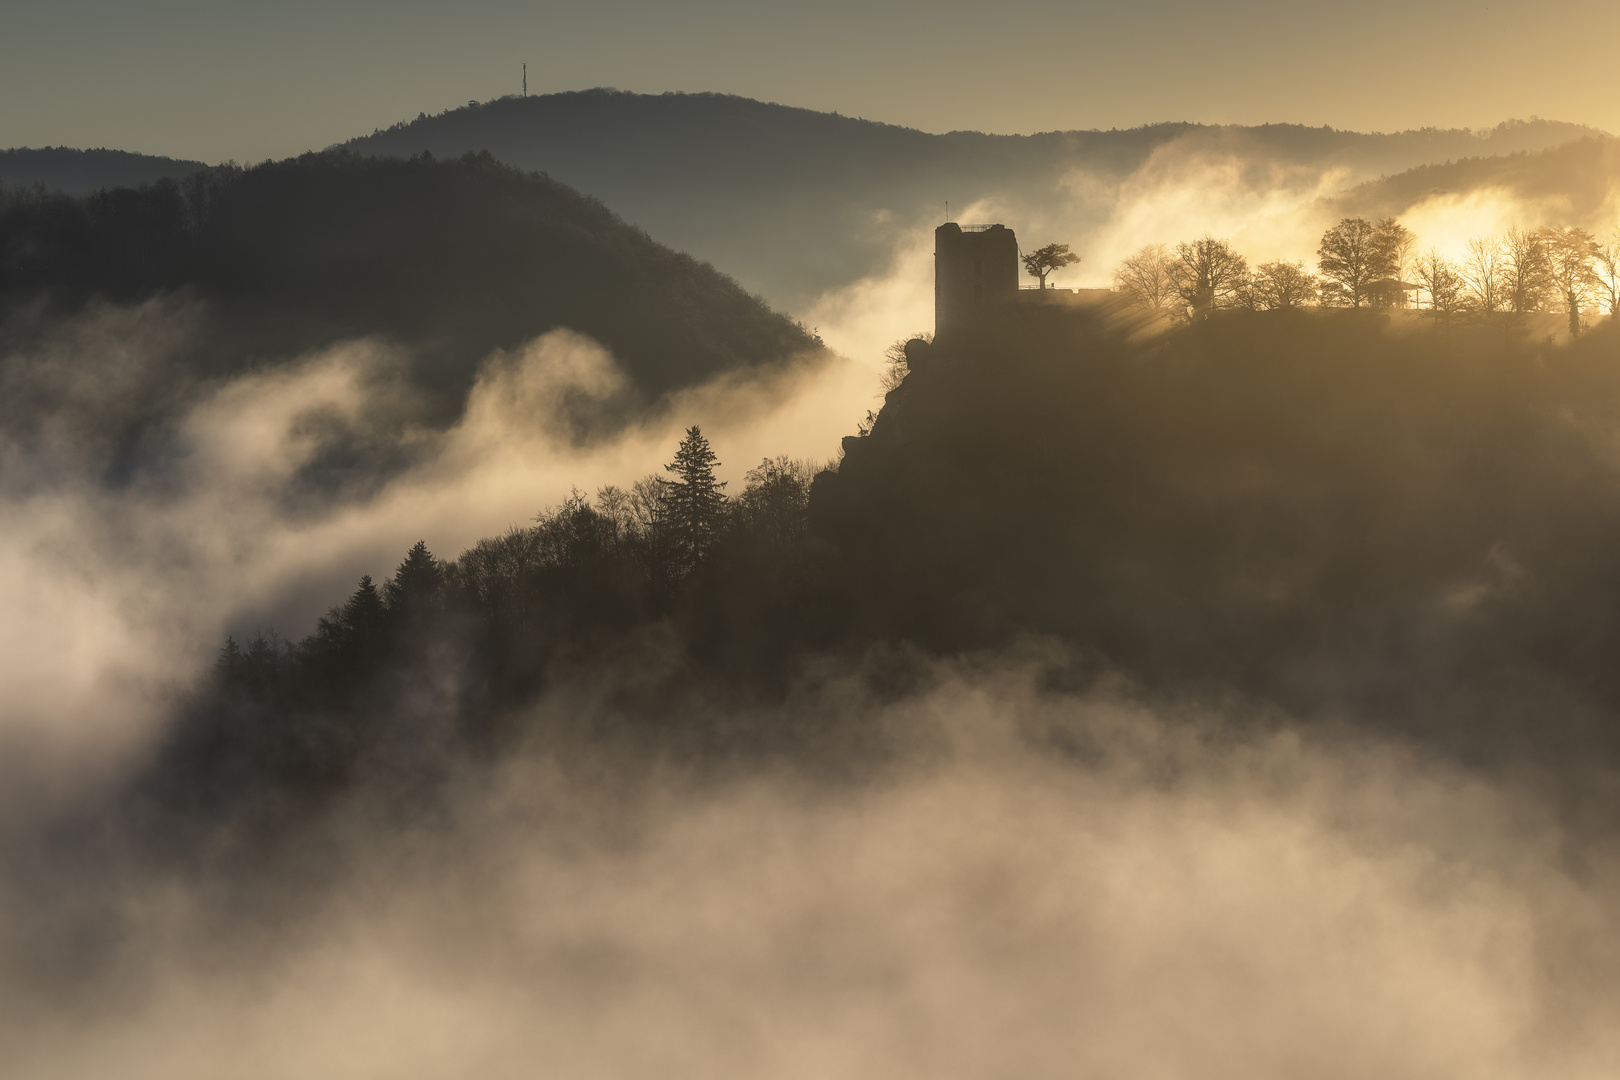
x=1268, y=209
x=117, y=594
x=1022, y=885
x=1029, y=886
x=1446, y=221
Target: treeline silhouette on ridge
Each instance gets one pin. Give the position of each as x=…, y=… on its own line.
x=689, y=586
x=1366, y=264
x=63, y=170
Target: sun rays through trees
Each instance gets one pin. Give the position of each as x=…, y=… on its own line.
x=1560, y=270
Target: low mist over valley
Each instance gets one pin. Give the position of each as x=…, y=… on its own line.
x=611, y=584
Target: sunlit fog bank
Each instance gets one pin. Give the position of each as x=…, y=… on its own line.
x=1447, y=221
x=125, y=571
x=122, y=571
x=1196, y=688
x=1012, y=885
x=1183, y=192
x=1266, y=205
x=864, y=317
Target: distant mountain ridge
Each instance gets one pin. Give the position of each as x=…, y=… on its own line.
x=79, y=172
x=795, y=201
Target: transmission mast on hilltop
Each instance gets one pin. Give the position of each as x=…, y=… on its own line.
x=525, y=80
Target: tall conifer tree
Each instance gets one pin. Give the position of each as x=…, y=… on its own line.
x=416, y=583
x=696, y=502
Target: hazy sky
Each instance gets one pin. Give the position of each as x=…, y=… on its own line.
x=231, y=79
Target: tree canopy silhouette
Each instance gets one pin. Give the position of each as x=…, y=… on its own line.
x=1283, y=285
x=1045, y=260
x=696, y=500
x=1356, y=254
x=1571, y=268
x=1208, y=274
x=1148, y=279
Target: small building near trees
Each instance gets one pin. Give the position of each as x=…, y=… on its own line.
x=1389, y=292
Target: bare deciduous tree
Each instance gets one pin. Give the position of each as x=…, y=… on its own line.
x=1484, y=275
x=1442, y=281
x=1608, y=274
x=1282, y=285
x=1147, y=278
x=1399, y=246
x=1208, y=275
x=1571, y=253
x=1525, y=270
x=775, y=499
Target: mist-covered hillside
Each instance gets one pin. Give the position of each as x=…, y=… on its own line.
x=442, y=262
x=79, y=172
x=1574, y=183
x=794, y=201
x=1409, y=531
x=1292, y=629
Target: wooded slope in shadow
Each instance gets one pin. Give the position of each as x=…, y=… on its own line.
x=444, y=261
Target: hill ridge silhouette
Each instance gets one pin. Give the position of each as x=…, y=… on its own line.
x=795, y=202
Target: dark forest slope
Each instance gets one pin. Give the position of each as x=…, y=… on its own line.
x=79, y=172
x=795, y=201
x=450, y=260
x=1414, y=527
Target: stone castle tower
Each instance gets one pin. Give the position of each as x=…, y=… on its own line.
x=975, y=277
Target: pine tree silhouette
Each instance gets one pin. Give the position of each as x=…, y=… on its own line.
x=696, y=501
x=416, y=584
x=364, y=611
x=230, y=661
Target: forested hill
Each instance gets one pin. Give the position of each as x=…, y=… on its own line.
x=795, y=201
x=1575, y=182
x=1408, y=527
x=450, y=259
x=79, y=172
x=1406, y=524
